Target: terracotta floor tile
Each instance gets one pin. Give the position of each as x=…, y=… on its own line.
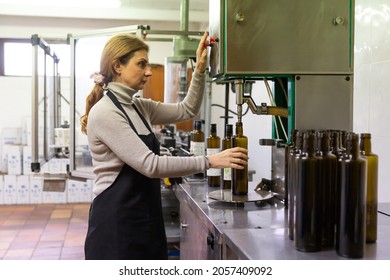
x=50, y=244
x=18, y=254
x=4, y=245
x=23, y=245
x=61, y=214
x=43, y=231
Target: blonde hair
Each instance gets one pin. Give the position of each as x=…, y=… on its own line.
x=119, y=48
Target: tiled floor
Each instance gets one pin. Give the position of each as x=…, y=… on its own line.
x=43, y=231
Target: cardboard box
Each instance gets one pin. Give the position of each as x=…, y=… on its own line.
x=23, y=189
x=86, y=191
x=27, y=158
x=11, y=135
x=10, y=195
x=36, y=189
x=1, y=189
x=54, y=197
x=26, y=130
x=73, y=191
x=55, y=165
x=14, y=159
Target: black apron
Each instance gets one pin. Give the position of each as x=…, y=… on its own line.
x=126, y=220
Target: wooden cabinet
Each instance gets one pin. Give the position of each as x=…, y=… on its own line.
x=154, y=89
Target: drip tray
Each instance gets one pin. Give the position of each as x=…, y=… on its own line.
x=227, y=196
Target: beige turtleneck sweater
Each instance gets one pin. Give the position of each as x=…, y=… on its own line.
x=112, y=142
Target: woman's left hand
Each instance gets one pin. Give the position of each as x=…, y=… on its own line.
x=201, y=54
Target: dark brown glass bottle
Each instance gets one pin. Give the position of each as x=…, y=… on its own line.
x=336, y=150
x=328, y=191
x=226, y=144
x=351, y=223
x=293, y=151
x=307, y=235
x=240, y=176
x=372, y=187
x=335, y=144
x=213, y=147
x=197, y=143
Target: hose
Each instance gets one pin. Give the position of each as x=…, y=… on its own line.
x=277, y=111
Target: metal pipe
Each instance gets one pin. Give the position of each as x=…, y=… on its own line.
x=184, y=15
x=226, y=117
x=34, y=112
x=239, y=89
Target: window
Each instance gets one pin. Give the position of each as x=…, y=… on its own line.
x=16, y=57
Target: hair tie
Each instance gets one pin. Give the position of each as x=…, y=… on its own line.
x=97, y=78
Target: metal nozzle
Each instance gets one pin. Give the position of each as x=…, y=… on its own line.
x=239, y=89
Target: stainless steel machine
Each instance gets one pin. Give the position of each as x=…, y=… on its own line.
x=302, y=50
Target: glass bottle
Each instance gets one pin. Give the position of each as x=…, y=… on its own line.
x=328, y=191
x=372, y=187
x=197, y=143
x=213, y=147
x=351, y=223
x=226, y=144
x=293, y=150
x=240, y=176
x=307, y=235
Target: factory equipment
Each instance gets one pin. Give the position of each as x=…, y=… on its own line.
x=46, y=114
x=303, y=48
x=44, y=110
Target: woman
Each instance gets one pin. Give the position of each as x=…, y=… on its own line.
x=126, y=219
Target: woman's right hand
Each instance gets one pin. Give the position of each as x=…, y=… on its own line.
x=230, y=158
x=201, y=54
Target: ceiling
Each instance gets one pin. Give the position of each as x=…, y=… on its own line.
x=162, y=10
x=194, y=5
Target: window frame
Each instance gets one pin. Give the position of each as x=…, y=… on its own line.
x=3, y=41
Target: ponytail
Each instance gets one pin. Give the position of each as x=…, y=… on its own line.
x=95, y=95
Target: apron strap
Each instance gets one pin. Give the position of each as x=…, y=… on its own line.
x=120, y=107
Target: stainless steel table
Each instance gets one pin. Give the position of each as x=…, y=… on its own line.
x=250, y=230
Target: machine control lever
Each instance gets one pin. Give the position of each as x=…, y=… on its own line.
x=210, y=241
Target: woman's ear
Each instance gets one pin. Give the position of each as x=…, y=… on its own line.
x=118, y=67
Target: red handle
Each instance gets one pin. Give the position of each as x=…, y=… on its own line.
x=211, y=40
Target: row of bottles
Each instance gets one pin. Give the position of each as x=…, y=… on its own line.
x=332, y=187
x=234, y=179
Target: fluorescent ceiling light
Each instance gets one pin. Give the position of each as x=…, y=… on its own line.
x=66, y=3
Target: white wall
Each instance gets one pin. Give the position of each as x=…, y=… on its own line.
x=372, y=87
x=371, y=93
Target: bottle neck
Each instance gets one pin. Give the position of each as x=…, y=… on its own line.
x=335, y=142
x=239, y=129
x=229, y=131
x=365, y=144
x=213, y=129
x=293, y=137
x=325, y=146
x=353, y=145
x=311, y=146
x=197, y=125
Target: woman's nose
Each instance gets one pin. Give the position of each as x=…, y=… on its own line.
x=148, y=71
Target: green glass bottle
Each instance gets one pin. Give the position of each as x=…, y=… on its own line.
x=372, y=187
x=351, y=223
x=213, y=147
x=307, y=234
x=226, y=144
x=293, y=151
x=328, y=191
x=240, y=176
x=197, y=143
